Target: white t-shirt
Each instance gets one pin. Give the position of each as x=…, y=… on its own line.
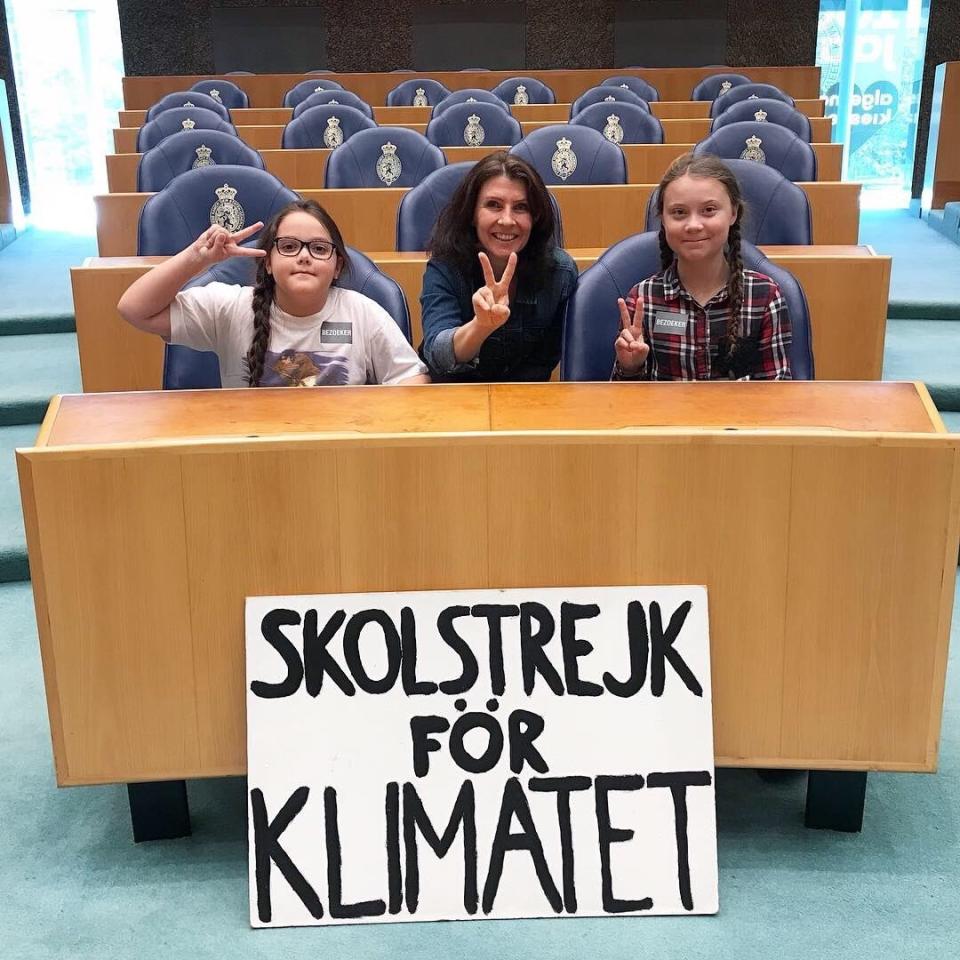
x=351, y=340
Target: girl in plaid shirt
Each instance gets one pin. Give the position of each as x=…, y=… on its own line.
x=705, y=317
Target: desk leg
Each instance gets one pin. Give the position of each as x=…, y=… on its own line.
x=159, y=810
x=835, y=800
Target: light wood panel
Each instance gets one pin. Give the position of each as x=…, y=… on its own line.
x=150, y=517
x=846, y=289
x=304, y=169
x=593, y=216
x=941, y=179
x=673, y=83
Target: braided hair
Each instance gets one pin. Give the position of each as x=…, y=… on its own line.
x=265, y=286
x=709, y=167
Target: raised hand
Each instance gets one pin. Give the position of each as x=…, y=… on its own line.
x=217, y=244
x=632, y=349
x=491, y=303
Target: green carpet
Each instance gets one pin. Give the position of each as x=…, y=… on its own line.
x=922, y=350
x=32, y=369
x=77, y=887
x=13, y=545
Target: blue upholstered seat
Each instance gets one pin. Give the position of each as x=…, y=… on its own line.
x=187, y=97
x=176, y=121
x=645, y=91
x=777, y=210
x=747, y=91
x=383, y=157
x=771, y=111
x=304, y=88
x=493, y=126
x=593, y=317
x=470, y=94
x=310, y=130
x=606, y=95
x=225, y=92
x=767, y=143
x=344, y=97
x=177, y=154
x=186, y=369
x=403, y=94
x=536, y=90
x=637, y=124
x=710, y=87
x=597, y=160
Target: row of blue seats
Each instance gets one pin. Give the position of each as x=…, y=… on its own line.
x=563, y=154
x=426, y=92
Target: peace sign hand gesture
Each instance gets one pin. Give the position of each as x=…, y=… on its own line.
x=491, y=303
x=217, y=244
x=632, y=349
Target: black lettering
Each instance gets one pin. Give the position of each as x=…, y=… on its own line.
x=563, y=787
x=662, y=649
x=678, y=783
x=415, y=819
x=319, y=662
x=351, y=650
x=470, y=670
x=267, y=851
x=494, y=614
x=532, y=656
x=271, y=632
x=408, y=633
x=610, y=835
x=423, y=743
x=490, y=756
x=639, y=654
x=394, y=878
x=575, y=647
x=514, y=804
x=339, y=909
x=523, y=728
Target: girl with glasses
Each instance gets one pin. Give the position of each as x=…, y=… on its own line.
x=294, y=327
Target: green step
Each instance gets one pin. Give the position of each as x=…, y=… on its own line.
x=920, y=350
x=13, y=545
x=32, y=369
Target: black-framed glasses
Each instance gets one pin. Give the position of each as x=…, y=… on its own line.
x=291, y=247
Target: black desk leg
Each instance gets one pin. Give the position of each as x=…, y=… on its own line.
x=835, y=800
x=159, y=810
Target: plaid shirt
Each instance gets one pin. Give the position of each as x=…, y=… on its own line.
x=684, y=337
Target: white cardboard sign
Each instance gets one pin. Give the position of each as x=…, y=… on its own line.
x=457, y=755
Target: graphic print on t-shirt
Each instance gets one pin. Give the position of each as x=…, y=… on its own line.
x=295, y=368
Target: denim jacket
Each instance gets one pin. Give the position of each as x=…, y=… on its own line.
x=526, y=347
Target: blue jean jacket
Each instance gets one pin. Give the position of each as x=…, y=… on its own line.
x=526, y=347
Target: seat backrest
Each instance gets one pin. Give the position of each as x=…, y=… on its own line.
x=405, y=94
x=766, y=143
x=190, y=203
x=605, y=95
x=187, y=98
x=304, y=88
x=344, y=97
x=621, y=122
x=473, y=125
x=383, y=157
x=190, y=150
x=564, y=154
x=524, y=90
x=225, y=92
x=646, y=91
x=324, y=127
x=749, y=91
x=178, y=120
x=186, y=369
x=777, y=211
x=765, y=111
x=593, y=317
x=709, y=88
x=469, y=95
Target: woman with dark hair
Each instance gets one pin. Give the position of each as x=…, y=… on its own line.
x=294, y=327
x=703, y=317
x=496, y=287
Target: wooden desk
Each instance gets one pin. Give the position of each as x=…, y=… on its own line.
x=592, y=216
x=673, y=83
x=846, y=289
x=268, y=136
x=150, y=517
x=388, y=116
x=304, y=169
x=941, y=179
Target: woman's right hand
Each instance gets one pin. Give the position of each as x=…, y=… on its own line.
x=217, y=244
x=632, y=349
x=491, y=303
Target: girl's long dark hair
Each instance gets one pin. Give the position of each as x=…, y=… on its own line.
x=263, y=290
x=454, y=237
